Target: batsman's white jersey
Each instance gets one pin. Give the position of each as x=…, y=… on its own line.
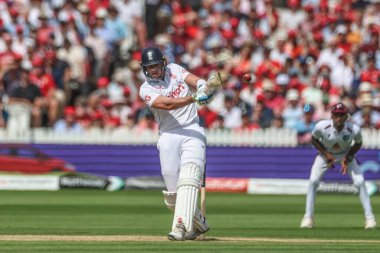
x=182, y=140
x=173, y=86
x=337, y=143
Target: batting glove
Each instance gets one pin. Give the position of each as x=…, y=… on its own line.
x=202, y=98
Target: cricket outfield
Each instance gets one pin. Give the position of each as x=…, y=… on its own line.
x=138, y=221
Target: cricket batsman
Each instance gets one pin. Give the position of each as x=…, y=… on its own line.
x=182, y=141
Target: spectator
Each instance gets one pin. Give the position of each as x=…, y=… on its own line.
x=24, y=100
x=366, y=117
x=68, y=124
x=293, y=111
x=147, y=123
x=332, y=58
x=305, y=126
x=49, y=102
x=262, y=115
x=272, y=100
x=231, y=113
x=207, y=117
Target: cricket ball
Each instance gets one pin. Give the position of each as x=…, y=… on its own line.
x=248, y=78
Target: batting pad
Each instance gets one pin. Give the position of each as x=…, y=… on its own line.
x=188, y=185
x=170, y=198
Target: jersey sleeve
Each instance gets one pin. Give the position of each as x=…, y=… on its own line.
x=148, y=95
x=180, y=71
x=317, y=131
x=357, y=134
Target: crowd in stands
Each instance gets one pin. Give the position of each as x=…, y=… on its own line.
x=75, y=65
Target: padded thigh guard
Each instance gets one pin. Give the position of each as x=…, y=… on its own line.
x=188, y=185
x=170, y=199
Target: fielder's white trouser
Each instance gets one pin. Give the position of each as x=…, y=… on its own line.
x=318, y=170
x=178, y=149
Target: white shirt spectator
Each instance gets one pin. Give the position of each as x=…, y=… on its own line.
x=329, y=57
x=342, y=75
x=291, y=19
x=128, y=10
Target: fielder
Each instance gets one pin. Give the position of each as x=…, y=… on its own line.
x=182, y=141
x=337, y=140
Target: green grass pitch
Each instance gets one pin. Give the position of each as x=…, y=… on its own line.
x=259, y=223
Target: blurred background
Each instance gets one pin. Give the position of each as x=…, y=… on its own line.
x=70, y=74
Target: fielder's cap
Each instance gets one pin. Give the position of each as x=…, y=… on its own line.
x=339, y=108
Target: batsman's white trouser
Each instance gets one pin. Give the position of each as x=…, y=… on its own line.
x=188, y=185
x=178, y=148
x=318, y=170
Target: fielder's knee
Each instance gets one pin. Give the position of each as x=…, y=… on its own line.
x=359, y=182
x=314, y=183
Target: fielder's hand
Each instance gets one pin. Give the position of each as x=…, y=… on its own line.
x=202, y=98
x=330, y=161
x=344, y=168
x=346, y=160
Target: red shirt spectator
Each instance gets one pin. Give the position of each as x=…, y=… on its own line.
x=38, y=76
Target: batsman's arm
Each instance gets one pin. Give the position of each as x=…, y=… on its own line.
x=194, y=81
x=168, y=103
x=329, y=157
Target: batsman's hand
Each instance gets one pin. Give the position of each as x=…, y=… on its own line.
x=202, y=98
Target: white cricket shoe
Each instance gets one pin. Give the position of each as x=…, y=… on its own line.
x=198, y=230
x=370, y=223
x=307, y=222
x=178, y=233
